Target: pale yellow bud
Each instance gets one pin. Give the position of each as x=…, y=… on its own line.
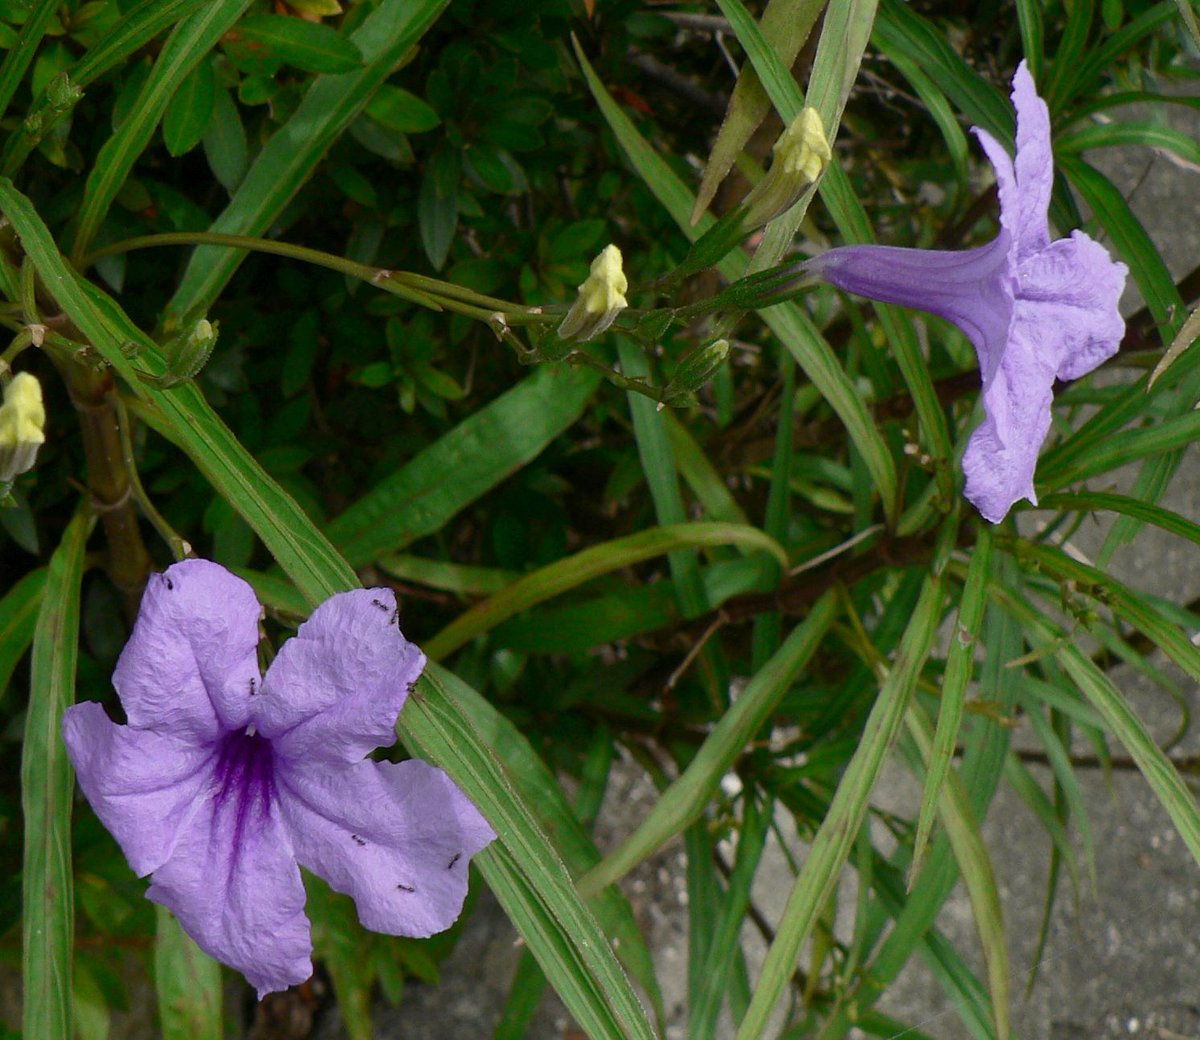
x=22, y=419
x=601, y=298
x=801, y=153
x=802, y=149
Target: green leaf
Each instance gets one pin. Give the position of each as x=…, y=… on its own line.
x=1127, y=604
x=401, y=111
x=225, y=142
x=1119, y=717
x=974, y=863
x=17, y=60
x=185, y=48
x=523, y=869
x=1104, y=501
x=437, y=204
x=789, y=322
x=1130, y=134
x=654, y=450
x=822, y=868
x=785, y=26
x=724, y=941
x=188, y=983
x=183, y=416
x=18, y=615
x=573, y=571
x=960, y=663
x=683, y=802
x=287, y=160
x=190, y=110
x=899, y=29
x=481, y=451
x=1131, y=241
x=539, y=790
x=1148, y=441
x=312, y=46
x=136, y=27
x=46, y=784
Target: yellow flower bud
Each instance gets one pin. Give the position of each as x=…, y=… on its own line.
x=601, y=298
x=801, y=153
x=802, y=148
x=22, y=419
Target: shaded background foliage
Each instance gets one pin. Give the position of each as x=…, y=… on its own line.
x=485, y=160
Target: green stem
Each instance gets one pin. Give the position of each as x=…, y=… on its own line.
x=419, y=289
x=180, y=547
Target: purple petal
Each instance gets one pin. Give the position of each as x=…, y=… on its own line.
x=335, y=689
x=968, y=287
x=1075, y=287
x=1024, y=188
x=145, y=786
x=395, y=837
x=1006, y=180
x=235, y=887
x=1034, y=164
x=1002, y=452
x=186, y=669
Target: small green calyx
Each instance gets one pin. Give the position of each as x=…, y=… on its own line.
x=186, y=355
x=696, y=369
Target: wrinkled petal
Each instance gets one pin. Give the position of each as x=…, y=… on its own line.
x=187, y=667
x=335, y=689
x=1034, y=164
x=1075, y=286
x=234, y=885
x=1024, y=187
x=145, y=786
x=967, y=287
x=1006, y=180
x=1002, y=453
x=395, y=837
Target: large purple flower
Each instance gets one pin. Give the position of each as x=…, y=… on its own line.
x=1035, y=310
x=224, y=781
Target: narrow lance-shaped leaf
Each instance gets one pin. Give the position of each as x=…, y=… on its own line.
x=974, y=864
x=188, y=983
x=187, y=45
x=683, y=802
x=184, y=416
x=18, y=615
x=789, y=322
x=312, y=46
x=568, y=573
x=287, y=160
x=819, y=875
x=477, y=454
x=46, y=783
x=524, y=871
x=1152, y=763
x=960, y=662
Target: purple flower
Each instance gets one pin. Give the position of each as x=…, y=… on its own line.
x=225, y=781
x=1035, y=310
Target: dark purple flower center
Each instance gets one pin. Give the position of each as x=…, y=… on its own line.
x=245, y=775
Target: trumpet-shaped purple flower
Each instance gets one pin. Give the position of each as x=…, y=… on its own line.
x=225, y=781
x=1035, y=310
